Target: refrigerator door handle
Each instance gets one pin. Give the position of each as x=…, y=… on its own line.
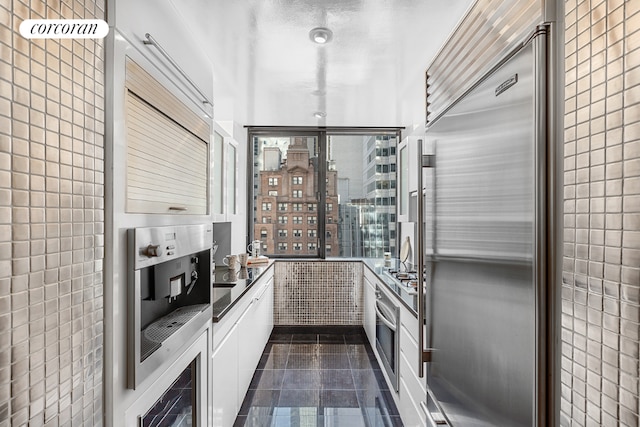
x=424, y=355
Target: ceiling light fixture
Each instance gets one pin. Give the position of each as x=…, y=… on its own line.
x=320, y=114
x=320, y=35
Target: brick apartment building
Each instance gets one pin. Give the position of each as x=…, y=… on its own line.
x=286, y=218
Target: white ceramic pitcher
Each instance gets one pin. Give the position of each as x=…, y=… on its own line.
x=254, y=248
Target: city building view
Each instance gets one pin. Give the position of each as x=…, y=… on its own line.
x=360, y=197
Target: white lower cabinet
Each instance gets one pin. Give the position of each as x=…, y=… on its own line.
x=224, y=376
x=236, y=354
x=411, y=388
x=254, y=328
x=369, y=311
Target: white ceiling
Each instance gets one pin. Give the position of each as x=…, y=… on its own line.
x=268, y=72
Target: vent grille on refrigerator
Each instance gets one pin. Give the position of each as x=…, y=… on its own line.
x=490, y=30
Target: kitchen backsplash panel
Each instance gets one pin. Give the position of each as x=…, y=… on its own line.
x=51, y=220
x=318, y=293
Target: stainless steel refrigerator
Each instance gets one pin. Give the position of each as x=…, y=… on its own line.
x=485, y=244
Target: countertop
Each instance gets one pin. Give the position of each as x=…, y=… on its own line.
x=229, y=286
x=405, y=294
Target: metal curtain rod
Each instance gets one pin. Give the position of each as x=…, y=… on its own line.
x=151, y=41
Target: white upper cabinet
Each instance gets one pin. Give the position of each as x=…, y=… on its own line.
x=232, y=177
x=408, y=171
x=167, y=147
x=224, y=188
x=217, y=195
x=403, y=181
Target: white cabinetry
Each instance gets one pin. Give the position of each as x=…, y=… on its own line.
x=225, y=176
x=224, y=378
x=369, y=310
x=238, y=341
x=254, y=329
x=408, y=178
x=412, y=389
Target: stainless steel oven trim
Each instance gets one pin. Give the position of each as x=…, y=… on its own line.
x=392, y=371
x=381, y=306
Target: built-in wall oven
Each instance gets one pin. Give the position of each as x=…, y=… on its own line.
x=388, y=334
x=169, y=294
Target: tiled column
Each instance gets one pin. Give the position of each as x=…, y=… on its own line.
x=51, y=220
x=601, y=272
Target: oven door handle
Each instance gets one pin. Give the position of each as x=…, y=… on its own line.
x=383, y=318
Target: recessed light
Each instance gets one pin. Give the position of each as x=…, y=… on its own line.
x=320, y=114
x=320, y=35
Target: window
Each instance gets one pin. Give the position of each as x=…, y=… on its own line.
x=357, y=192
x=282, y=246
x=263, y=234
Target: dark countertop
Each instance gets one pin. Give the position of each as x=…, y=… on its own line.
x=407, y=295
x=229, y=287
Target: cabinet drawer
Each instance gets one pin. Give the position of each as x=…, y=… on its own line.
x=409, y=363
x=409, y=406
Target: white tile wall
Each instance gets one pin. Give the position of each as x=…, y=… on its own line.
x=51, y=220
x=601, y=269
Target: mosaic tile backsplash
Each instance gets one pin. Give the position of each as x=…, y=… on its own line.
x=601, y=268
x=51, y=220
x=318, y=293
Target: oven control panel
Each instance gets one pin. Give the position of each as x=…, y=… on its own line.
x=155, y=245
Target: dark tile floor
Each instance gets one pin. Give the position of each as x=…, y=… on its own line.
x=314, y=379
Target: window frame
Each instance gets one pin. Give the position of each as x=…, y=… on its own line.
x=320, y=211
